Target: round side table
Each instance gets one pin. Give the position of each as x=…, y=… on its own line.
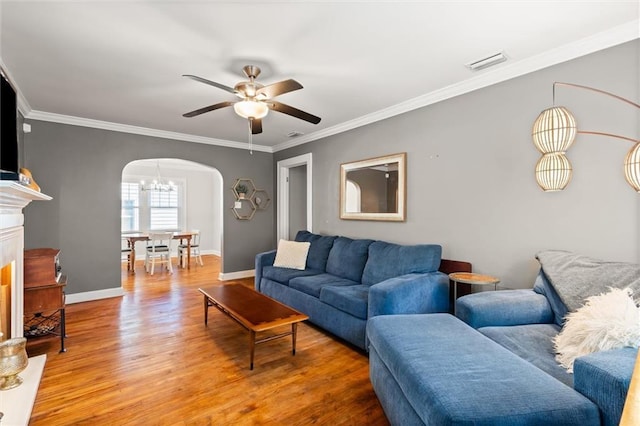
x=470, y=278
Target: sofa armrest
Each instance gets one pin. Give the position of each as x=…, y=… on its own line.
x=604, y=378
x=263, y=259
x=504, y=308
x=410, y=294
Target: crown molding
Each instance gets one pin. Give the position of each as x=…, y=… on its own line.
x=126, y=128
x=612, y=37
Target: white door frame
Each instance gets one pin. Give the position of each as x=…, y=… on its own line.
x=283, y=192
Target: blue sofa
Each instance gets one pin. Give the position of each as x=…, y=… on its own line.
x=347, y=281
x=526, y=321
x=493, y=365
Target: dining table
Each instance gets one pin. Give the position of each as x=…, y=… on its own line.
x=133, y=237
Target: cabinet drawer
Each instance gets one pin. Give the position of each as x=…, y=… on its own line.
x=40, y=299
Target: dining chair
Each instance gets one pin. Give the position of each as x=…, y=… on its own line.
x=195, y=250
x=125, y=254
x=158, y=250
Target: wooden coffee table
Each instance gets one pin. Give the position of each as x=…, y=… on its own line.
x=252, y=310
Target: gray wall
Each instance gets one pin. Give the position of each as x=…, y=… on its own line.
x=81, y=168
x=470, y=160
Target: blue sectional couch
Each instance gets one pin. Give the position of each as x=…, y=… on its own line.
x=493, y=365
x=347, y=281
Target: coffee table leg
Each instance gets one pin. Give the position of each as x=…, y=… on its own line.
x=206, y=310
x=252, y=347
x=294, y=330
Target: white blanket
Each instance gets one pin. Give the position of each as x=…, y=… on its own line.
x=576, y=277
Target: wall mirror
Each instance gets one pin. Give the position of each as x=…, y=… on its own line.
x=374, y=189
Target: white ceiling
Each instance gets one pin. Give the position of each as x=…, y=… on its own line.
x=119, y=64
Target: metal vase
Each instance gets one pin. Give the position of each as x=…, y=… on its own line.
x=13, y=359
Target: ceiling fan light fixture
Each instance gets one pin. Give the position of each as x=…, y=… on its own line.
x=251, y=109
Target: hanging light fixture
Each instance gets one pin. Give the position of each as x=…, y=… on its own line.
x=251, y=109
x=554, y=132
x=158, y=184
x=632, y=167
x=553, y=172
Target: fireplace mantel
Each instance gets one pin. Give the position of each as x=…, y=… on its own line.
x=16, y=404
x=13, y=199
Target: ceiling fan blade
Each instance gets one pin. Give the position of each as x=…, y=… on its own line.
x=256, y=126
x=275, y=89
x=207, y=109
x=294, y=112
x=211, y=83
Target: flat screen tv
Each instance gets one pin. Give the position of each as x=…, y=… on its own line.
x=8, y=131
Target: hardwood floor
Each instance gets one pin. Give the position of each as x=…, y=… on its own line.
x=147, y=358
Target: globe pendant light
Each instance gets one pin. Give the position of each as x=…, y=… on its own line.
x=632, y=167
x=554, y=130
x=553, y=172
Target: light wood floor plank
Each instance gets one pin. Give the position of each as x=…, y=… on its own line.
x=147, y=358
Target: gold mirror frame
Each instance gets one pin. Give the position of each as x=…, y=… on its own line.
x=387, y=162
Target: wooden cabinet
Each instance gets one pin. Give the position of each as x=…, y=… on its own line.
x=41, y=267
x=44, y=298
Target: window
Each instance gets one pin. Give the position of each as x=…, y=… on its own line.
x=151, y=210
x=130, y=210
x=163, y=210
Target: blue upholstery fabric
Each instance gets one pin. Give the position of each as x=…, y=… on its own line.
x=313, y=284
x=262, y=260
x=344, y=309
x=352, y=299
x=340, y=323
x=452, y=375
x=318, y=250
x=284, y=275
x=544, y=287
x=604, y=378
x=387, y=260
x=504, y=308
x=410, y=294
x=348, y=257
x=533, y=343
x=396, y=407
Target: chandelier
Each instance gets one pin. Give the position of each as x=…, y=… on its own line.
x=158, y=184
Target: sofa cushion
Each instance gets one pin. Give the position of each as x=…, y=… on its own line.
x=352, y=299
x=533, y=343
x=348, y=257
x=604, y=378
x=387, y=260
x=606, y=321
x=291, y=254
x=453, y=375
x=319, y=249
x=312, y=285
x=544, y=287
x=284, y=275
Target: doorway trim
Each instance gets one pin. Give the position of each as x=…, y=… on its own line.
x=283, y=192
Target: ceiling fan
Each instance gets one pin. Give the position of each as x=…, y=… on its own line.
x=256, y=99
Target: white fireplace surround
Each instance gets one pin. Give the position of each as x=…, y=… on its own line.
x=13, y=199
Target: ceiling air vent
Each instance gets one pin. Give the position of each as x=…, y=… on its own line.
x=294, y=134
x=487, y=62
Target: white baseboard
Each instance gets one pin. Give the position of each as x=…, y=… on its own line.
x=237, y=275
x=94, y=295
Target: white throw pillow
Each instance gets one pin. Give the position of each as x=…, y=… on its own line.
x=607, y=321
x=292, y=254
